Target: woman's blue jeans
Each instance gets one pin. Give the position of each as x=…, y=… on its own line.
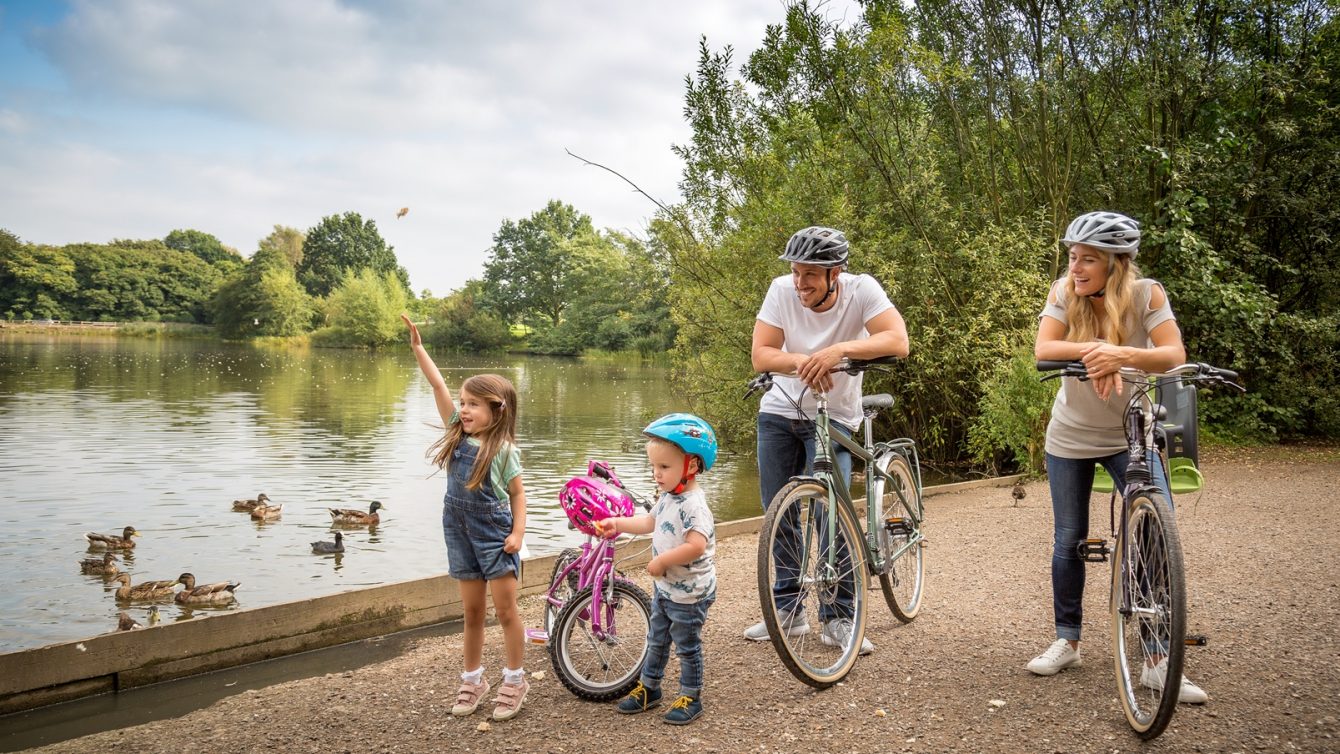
x=786, y=449
x=1071, y=481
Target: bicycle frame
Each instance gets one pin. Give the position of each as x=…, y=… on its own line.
x=595, y=566
x=840, y=495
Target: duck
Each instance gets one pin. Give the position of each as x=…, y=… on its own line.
x=266, y=512
x=104, y=566
x=357, y=517
x=1018, y=492
x=248, y=505
x=126, y=623
x=145, y=590
x=220, y=593
x=327, y=548
x=111, y=541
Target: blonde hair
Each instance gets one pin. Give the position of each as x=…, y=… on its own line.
x=1122, y=272
x=499, y=394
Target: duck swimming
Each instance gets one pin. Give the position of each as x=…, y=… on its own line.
x=350, y=516
x=104, y=566
x=327, y=548
x=266, y=512
x=145, y=590
x=247, y=505
x=111, y=541
x=220, y=593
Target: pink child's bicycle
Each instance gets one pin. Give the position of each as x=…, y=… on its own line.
x=595, y=618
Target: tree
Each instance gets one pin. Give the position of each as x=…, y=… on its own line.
x=345, y=243
x=529, y=271
x=205, y=246
x=365, y=310
x=460, y=325
x=35, y=281
x=262, y=299
x=288, y=241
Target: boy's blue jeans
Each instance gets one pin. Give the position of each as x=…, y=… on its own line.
x=786, y=449
x=1071, y=482
x=681, y=623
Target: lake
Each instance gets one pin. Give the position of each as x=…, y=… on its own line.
x=98, y=433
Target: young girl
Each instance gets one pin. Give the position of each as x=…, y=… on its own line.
x=483, y=521
x=683, y=545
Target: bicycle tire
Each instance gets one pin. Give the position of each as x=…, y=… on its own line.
x=807, y=654
x=903, y=583
x=1155, y=627
x=565, y=590
x=601, y=669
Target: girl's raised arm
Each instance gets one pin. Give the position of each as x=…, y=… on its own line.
x=445, y=408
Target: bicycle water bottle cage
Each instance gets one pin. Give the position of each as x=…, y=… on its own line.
x=1094, y=550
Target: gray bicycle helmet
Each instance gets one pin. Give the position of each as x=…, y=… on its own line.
x=817, y=245
x=1112, y=232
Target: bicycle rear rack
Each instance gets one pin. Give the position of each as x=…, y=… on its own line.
x=1094, y=550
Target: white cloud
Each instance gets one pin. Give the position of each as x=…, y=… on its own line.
x=232, y=117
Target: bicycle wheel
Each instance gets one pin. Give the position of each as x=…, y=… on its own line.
x=1149, y=615
x=799, y=590
x=603, y=667
x=565, y=590
x=903, y=582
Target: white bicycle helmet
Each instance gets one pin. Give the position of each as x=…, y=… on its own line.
x=1112, y=232
x=817, y=245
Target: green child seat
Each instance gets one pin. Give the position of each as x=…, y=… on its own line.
x=1183, y=477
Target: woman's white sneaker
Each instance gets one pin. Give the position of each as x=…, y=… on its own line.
x=1152, y=677
x=1059, y=656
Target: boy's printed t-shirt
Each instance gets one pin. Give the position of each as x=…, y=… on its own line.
x=676, y=516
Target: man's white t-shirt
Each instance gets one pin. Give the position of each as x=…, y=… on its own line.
x=860, y=299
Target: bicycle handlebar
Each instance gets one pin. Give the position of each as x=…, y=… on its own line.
x=763, y=380
x=1200, y=372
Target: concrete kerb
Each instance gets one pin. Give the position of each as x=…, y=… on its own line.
x=122, y=660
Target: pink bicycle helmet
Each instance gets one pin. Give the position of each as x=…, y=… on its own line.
x=587, y=500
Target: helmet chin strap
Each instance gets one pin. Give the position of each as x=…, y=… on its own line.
x=832, y=286
x=687, y=477
x=1099, y=294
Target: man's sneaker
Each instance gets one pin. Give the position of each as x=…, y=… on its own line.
x=685, y=710
x=467, y=699
x=507, y=703
x=640, y=699
x=795, y=625
x=1059, y=656
x=837, y=632
x=1152, y=677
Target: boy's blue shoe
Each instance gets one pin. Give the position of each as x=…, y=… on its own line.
x=640, y=699
x=685, y=710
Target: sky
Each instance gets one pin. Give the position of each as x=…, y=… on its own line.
x=131, y=118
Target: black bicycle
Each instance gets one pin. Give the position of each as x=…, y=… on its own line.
x=1148, y=603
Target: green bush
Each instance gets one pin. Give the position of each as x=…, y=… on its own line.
x=1012, y=415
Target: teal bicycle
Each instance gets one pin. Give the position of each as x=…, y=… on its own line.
x=815, y=559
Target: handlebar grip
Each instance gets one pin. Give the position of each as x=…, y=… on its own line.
x=1048, y=365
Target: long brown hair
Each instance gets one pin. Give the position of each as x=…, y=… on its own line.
x=501, y=397
x=1083, y=323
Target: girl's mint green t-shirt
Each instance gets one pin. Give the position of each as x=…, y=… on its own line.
x=505, y=467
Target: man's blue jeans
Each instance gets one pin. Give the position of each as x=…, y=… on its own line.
x=1071, y=481
x=786, y=449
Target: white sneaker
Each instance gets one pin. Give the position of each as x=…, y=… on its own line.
x=795, y=625
x=837, y=632
x=1152, y=677
x=1059, y=656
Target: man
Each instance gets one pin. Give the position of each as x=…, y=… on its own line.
x=809, y=321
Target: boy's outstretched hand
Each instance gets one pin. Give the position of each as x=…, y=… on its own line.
x=414, y=339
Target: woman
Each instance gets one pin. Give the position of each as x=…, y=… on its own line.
x=1104, y=314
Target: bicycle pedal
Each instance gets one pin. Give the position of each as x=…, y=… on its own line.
x=1196, y=640
x=898, y=527
x=1094, y=550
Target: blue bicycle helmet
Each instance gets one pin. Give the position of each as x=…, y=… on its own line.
x=689, y=433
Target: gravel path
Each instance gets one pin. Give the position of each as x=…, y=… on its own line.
x=1264, y=578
